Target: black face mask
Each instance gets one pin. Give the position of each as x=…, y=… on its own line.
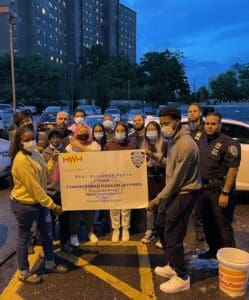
x=83, y=137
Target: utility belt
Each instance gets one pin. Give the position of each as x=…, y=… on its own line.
x=214, y=185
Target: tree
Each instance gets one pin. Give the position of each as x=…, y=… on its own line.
x=164, y=76
x=35, y=77
x=244, y=83
x=224, y=87
x=202, y=94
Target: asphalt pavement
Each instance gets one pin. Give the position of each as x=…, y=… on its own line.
x=113, y=270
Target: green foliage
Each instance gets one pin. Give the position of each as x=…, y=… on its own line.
x=35, y=77
x=225, y=86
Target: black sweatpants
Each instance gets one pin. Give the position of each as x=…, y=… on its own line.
x=217, y=221
x=172, y=223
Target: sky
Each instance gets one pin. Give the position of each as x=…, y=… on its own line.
x=212, y=34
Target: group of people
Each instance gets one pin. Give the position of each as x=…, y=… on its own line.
x=187, y=166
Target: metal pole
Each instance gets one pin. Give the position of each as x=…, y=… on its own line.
x=71, y=81
x=12, y=68
x=129, y=90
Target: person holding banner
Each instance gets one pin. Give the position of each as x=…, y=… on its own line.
x=154, y=143
x=176, y=200
x=120, y=142
x=30, y=203
x=81, y=142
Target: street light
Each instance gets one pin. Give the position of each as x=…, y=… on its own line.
x=13, y=18
x=71, y=64
x=129, y=90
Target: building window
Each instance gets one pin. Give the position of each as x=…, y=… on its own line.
x=43, y=11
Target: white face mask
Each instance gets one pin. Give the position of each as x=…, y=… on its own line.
x=98, y=136
x=168, y=131
x=120, y=137
x=108, y=124
x=29, y=146
x=151, y=135
x=79, y=120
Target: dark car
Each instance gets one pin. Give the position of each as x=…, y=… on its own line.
x=46, y=121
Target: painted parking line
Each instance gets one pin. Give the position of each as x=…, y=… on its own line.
x=146, y=280
x=11, y=290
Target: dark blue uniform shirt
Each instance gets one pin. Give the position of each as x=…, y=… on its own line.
x=217, y=155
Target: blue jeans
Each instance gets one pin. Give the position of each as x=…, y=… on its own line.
x=28, y=217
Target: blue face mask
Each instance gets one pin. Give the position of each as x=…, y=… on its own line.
x=151, y=135
x=120, y=137
x=98, y=136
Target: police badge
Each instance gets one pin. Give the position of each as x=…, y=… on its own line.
x=138, y=158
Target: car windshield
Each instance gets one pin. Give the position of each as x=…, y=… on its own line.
x=50, y=117
x=53, y=109
x=112, y=111
x=91, y=121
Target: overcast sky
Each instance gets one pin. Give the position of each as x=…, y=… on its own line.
x=213, y=34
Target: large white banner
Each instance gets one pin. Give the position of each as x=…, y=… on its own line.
x=103, y=180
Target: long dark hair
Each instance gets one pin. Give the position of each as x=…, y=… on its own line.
x=125, y=127
x=17, y=141
x=103, y=140
x=156, y=125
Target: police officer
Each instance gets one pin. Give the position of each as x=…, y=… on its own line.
x=196, y=129
x=220, y=159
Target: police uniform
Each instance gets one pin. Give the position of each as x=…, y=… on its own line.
x=217, y=155
x=197, y=134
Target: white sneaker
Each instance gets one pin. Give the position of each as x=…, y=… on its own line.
x=93, y=238
x=175, y=285
x=115, y=236
x=158, y=244
x=125, y=235
x=74, y=240
x=149, y=236
x=165, y=271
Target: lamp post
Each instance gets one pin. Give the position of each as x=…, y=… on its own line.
x=13, y=18
x=71, y=64
x=129, y=90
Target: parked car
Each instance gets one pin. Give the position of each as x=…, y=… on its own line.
x=97, y=110
x=135, y=110
x=114, y=113
x=5, y=108
x=53, y=109
x=92, y=120
x=4, y=158
x=238, y=131
x=88, y=109
x=46, y=121
x=21, y=107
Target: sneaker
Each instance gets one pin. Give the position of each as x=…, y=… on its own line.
x=115, y=235
x=30, y=278
x=74, y=240
x=149, y=237
x=207, y=255
x=125, y=235
x=59, y=269
x=158, y=244
x=165, y=271
x=175, y=285
x=93, y=238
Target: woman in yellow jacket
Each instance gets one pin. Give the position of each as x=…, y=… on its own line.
x=30, y=203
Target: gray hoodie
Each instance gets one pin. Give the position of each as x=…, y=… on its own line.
x=182, y=167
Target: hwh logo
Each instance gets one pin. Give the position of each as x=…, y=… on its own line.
x=72, y=159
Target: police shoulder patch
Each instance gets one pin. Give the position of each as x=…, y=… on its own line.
x=233, y=150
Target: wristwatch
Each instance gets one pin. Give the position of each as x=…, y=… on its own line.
x=224, y=193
